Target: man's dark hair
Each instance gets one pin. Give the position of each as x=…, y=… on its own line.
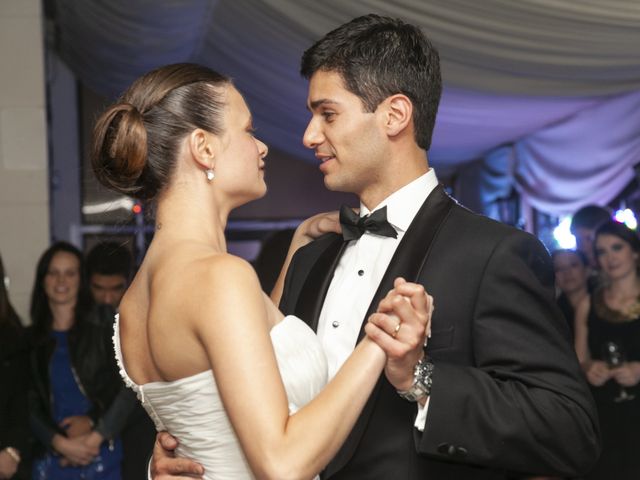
x=378, y=57
x=109, y=258
x=590, y=216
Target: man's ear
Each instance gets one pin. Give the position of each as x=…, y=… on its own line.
x=399, y=116
x=202, y=146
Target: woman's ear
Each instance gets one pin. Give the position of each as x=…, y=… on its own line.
x=202, y=146
x=399, y=114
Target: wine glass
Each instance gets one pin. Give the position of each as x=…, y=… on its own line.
x=615, y=356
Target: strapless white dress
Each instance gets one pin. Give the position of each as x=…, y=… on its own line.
x=192, y=411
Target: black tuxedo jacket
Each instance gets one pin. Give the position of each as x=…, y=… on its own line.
x=508, y=397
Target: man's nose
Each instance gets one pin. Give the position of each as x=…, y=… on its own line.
x=312, y=136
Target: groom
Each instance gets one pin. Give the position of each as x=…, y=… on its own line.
x=498, y=393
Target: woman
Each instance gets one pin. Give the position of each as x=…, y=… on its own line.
x=14, y=384
x=212, y=359
x=608, y=346
x=572, y=272
x=78, y=403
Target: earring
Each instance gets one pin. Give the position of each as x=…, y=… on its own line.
x=210, y=174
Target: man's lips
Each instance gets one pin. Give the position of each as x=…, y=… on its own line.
x=323, y=157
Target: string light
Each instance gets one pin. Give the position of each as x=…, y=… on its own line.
x=562, y=234
x=627, y=217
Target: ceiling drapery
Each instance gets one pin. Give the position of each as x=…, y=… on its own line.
x=554, y=85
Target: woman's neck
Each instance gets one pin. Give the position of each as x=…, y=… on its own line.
x=181, y=217
x=625, y=288
x=63, y=316
x=577, y=296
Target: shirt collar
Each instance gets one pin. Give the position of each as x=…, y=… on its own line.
x=402, y=205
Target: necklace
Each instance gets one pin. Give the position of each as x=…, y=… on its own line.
x=630, y=313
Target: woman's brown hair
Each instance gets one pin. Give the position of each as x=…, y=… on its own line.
x=136, y=140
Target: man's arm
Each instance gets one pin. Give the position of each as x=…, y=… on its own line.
x=523, y=405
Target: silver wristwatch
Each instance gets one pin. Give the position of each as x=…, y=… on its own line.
x=422, y=378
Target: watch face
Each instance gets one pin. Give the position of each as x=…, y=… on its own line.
x=421, y=387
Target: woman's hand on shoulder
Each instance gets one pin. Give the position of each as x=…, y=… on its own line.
x=316, y=226
x=307, y=231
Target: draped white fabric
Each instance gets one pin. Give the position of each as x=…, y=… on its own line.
x=555, y=85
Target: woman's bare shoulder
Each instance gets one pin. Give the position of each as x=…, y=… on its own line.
x=215, y=282
x=221, y=268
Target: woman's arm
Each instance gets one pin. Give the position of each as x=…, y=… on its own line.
x=307, y=231
x=240, y=352
x=116, y=416
x=582, y=331
x=596, y=371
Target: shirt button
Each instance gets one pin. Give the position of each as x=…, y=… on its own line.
x=360, y=273
x=335, y=324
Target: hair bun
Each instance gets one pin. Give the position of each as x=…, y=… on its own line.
x=120, y=148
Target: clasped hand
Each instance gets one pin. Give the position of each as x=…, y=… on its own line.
x=401, y=327
x=81, y=444
x=627, y=374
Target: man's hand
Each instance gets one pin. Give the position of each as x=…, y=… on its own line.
x=165, y=465
x=401, y=327
x=76, y=425
x=598, y=373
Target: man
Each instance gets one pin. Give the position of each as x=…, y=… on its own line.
x=109, y=269
x=109, y=266
x=584, y=224
x=499, y=393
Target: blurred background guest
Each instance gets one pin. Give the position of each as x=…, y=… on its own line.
x=572, y=270
x=109, y=270
x=78, y=403
x=584, y=223
x=14, y=376
x=608, y=346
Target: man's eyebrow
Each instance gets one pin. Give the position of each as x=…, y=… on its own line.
x=323, y=101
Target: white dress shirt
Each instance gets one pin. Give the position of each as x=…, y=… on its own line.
x=359, y=272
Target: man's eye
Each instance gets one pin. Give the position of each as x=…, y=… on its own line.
x=328, y=115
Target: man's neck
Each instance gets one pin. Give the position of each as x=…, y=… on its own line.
x=372, y=197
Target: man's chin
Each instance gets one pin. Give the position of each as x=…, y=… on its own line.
x=333, y=184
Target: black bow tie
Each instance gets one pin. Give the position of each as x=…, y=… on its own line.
x=353, y=226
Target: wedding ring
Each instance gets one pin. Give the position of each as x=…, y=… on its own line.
x=396, y=330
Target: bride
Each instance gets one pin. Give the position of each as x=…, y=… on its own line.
x=210, y=356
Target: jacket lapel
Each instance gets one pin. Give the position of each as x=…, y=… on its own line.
x=412, y=252
x=407, y=262
x=314, y=290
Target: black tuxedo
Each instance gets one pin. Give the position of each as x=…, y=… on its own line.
x=508, y=395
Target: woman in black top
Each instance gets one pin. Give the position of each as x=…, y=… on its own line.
x=14, y=383
x=608, y=346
